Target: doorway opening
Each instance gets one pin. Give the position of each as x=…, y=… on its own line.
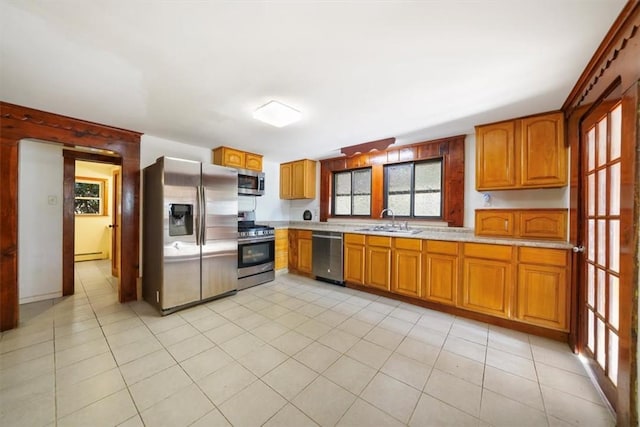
x=97, y=212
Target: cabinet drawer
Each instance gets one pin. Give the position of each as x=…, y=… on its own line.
x=379, y=241
x=408, y=244
x=543, y=224
x=544, y=256
x=356, y=239
x=481, y=250
x=442, y=247
x=494, y=223
x=304, y=234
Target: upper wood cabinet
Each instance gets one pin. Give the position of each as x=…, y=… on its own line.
x=231, y=157
x=548, y=224
x=298, y=180
x=521, y=153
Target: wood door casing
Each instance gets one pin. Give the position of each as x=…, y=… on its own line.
x=20, y=123
x=116, y=236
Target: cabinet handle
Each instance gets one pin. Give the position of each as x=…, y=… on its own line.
x=578, y=249
x=506, y=228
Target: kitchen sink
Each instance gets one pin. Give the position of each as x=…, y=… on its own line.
x=389, y=229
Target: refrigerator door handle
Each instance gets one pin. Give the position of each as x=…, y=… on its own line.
x=198, y=221
x=203, y=215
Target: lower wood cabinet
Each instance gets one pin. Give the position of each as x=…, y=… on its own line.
x=282, y=248
x=487, y=279
x=354, y=255
x=407, y=267
x=305, y=254
x=440, y=282
x=523, y=284
x=543, y=287
x=300, y=251
x=378, y=262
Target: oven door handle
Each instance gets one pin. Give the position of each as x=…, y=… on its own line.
x=259, y=239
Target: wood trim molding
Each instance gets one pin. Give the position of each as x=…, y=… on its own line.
x=17, y=123
x=617, y=39
x=450, y=149
x=68, y=225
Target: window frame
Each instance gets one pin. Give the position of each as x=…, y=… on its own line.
x=102, y=198
x=334, y=193
x=413, y=164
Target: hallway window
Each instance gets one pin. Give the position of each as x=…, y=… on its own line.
x=89, y=196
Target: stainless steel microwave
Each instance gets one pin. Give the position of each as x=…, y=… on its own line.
x=250, y=182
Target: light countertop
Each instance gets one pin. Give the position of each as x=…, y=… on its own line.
x=457, y=234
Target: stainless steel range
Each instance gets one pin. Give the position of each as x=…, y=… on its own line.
x=256, y=254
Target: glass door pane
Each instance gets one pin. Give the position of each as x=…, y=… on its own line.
x=601, y=212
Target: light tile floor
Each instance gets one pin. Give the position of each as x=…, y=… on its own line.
x=293, y=352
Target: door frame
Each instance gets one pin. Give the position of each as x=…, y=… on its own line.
x=18, y=123
x=613, y=68
x=68, y=215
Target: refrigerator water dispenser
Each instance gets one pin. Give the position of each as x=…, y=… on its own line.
x=180, y=219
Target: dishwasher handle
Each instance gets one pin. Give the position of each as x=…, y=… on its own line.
x=326, y=236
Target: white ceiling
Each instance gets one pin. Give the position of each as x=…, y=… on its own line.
x=194, y=71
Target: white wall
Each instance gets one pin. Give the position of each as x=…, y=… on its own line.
x=270, y=208
x=152, y=147
x=40, y=178
x=552, y=198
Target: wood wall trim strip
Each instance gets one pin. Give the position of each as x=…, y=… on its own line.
x=68, y=225
x=17, y=123
x=8, y=233
x=451, y=149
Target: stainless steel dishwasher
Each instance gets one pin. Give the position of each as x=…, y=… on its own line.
x=327, y=256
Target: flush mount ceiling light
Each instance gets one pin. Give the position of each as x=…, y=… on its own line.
x=277, y=114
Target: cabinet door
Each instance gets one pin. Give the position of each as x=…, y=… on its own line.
x=304, y=255
x=542, y=295
x=496, y=156
x=293, y=249
x=282, y=249
x=378, y=267
x=354, y=263
x=407, y=272
x=285, y=181
x=298, y=177
x=253, y=162
x=543, y=224
x=543, y=152
x=486, y=286
x=494, y=223
x=234, y=158
x=441, y=278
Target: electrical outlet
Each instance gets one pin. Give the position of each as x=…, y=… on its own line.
x=52, y=200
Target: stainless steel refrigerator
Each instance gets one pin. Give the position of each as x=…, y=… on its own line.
x=190, y=233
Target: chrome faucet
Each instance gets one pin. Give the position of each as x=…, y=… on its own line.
x=393, y=216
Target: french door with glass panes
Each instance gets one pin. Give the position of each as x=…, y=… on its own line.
x=601, y=166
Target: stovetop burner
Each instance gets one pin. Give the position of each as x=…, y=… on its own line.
x=251, y=229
